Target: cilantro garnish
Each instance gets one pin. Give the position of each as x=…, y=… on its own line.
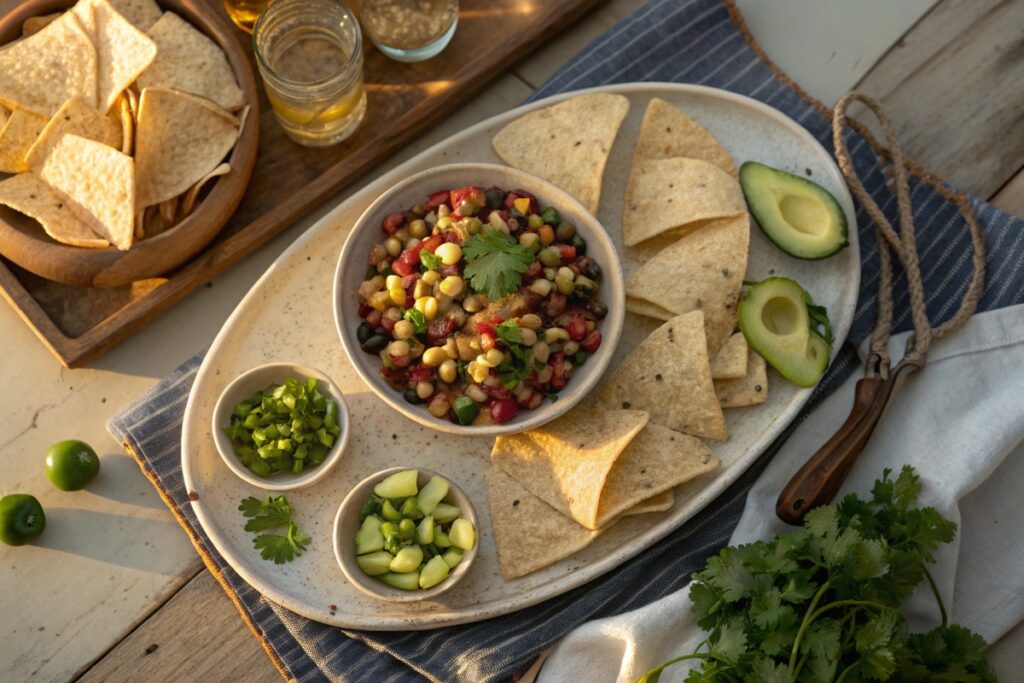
x=418, y=320
x=270, y=514
x=495, y=263
x=508, y=332
x=821, y=604
x=819, y=318
x=430, y=260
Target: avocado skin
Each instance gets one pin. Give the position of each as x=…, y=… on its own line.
x=764, y=207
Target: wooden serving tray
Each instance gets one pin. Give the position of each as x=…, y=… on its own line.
x=78, y=324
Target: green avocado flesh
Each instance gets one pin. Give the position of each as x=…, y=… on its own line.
x=799, y=216
x=773, y=318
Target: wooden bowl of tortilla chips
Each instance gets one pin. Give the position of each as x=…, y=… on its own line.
x=133, y=158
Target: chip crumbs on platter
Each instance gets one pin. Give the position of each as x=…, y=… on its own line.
x=668, y=374
x=98, y=182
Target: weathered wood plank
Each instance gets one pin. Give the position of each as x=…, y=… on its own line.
x=954, y=87
x=197, y=636
x=1010, y=197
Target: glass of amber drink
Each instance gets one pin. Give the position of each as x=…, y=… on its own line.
x=310, y=55
x=245, y=12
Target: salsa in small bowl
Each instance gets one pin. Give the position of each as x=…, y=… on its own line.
x=481, y=305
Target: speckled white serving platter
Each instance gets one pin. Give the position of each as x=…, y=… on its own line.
x=287, y=316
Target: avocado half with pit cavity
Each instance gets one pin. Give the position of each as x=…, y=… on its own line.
x=799, y=216
x=773, y=318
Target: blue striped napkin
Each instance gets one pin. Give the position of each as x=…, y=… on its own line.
x=685, y=41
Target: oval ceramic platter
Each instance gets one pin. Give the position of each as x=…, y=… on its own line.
x=287, y=316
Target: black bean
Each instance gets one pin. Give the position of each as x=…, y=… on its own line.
x=597, y=309
x=495, y=198
x=411, y=396
x=364, y=332
x=592, y=269
x=375, y=344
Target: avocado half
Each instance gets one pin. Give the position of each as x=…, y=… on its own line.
x=799, y=216
x=773, y=318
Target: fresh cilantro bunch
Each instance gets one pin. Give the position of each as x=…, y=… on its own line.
x=821, y=604
x=495, y=263
x=270, y=514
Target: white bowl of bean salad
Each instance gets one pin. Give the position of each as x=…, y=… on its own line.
x=479, y=299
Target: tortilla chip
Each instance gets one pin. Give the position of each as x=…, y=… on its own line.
x=565, y=462
x=41, y=72
x=4, y=114
x=179, y=139
x=76, y=118
x=127, y=125
x=189, y=61
x=99, y=184
x=567, y=143
x=529, y=534
x=657, y=503
x=29, y=195
x=188, y=202
x=675, y=197
x=669, y=376
x=731, y=360
x=37, y=24
x=123, y=51
x=16, y=138
x=703, y=270
x=748, y=390
x=657, y=460
x=141, y=14
x=667, y=132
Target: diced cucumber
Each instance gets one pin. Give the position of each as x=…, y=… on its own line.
x=398, y=485
x=425, y=531
x=452, y=557
x=441, y=539
x=462, y=534
x=408, y=559
x=375, y=564
x=369, y=538
x=409, y=581
x=431, y=494
x=444, y=513
x=388, y=511
x=410, y=510
x=434, y=572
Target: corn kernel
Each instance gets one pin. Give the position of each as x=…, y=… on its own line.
x=448, y=372
x=443, y=211
x=495, y=357
x=449, y=253
x=452, y=285
x=427, y=305
x=421, y=289
x=478, y=373
x=381, y=301
x=522, y=204
x=431, y=277
x=434, y=356
x=397, y=295
x=444, y=223
x=393, y=281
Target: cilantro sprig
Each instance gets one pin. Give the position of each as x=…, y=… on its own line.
x=271, y=514
x=821, y=604
x=495, y=263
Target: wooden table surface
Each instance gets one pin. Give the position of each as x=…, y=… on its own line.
x=114, y=591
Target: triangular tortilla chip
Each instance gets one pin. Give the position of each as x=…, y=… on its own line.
x=656, y=460
x=123, y=51
x=29, y=195
x=731, y=360
x=567, y=143
x=140, y=13
x=189, y=61
x=4, y=114
x=41, y=72
x=528, y=533
x=669, y=376
x=16, y=138
x=703, y=270
x=676, y=196
x=656, y=503
x=188, y=201
x=171, y=156
x=76, y=118
x=749, y=390
x=37, y=24
x=99, y=184
x=565, y=462
x=667, y=132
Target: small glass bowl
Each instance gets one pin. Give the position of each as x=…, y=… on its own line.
x=410, y=30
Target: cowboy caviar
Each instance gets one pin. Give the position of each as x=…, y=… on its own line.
x=480, y=304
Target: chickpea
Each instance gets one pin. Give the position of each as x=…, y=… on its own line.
x=424, y=390
x=541, y=352
x=421, y=289
x=439, y=406
x=398, y=349
x=528, y=336
x=495, y=357
x=418, y=228
x=434, y=356
x=555, y=334
x=541, y=286
x=476, y=393
x=531, y=321
x=393, y=246
x=411, y=242
x=403, y=329
x=448, y=372
x=569, y=348
x=472, y=304
x=451, y=349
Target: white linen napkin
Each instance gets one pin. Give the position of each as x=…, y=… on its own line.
x=959, y=423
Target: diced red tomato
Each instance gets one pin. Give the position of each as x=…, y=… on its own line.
x=568, y=253
x=488, y=340
x=437, y=199
x=402, y=267
x=440, y=328
x=533, y=271
x=419, y=373
x=393, y=222
x=576, y=326
x=557, y=363
x=556, y=304
x=388, y=324
x=591, y=342
x=485, y=328
x=504, y=410
x=401, y=361
x=395, y=377
x=364, y=310
x=467, y=201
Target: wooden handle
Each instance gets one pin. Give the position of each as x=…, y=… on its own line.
x=820, y=477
